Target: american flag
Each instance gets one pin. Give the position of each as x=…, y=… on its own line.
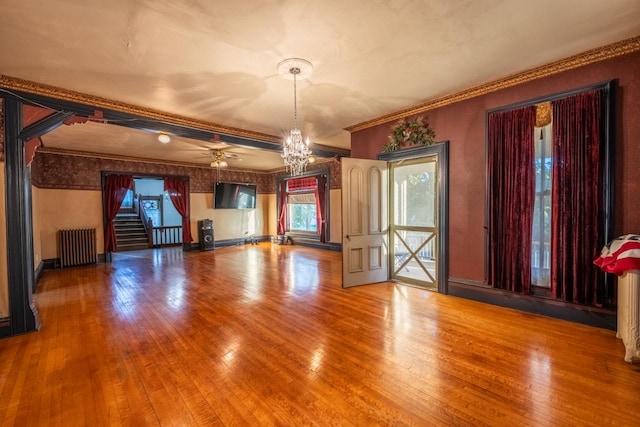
x=620, y=255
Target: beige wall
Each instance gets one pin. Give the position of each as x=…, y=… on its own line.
x=229, y=223
x=335, y=216
x=272, y=210
x=55, y=210
x=37, y=241
x=65, y=209
x=4, y=282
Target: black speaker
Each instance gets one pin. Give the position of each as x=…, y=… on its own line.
x=205, y=235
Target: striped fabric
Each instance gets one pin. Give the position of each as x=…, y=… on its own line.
x=620, y=255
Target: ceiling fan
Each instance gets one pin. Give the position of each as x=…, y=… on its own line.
x=219, y=158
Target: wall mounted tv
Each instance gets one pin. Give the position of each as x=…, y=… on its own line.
x=229, y=195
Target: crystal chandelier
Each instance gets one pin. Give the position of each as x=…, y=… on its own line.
x=295, y=149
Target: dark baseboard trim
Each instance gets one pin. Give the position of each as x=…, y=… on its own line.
x=54, y=263
x=479, y=291
x=5, y=327
x=36, y=275
x=265, y=238
x=50, y=264
x=330, y=246
x=195, y=246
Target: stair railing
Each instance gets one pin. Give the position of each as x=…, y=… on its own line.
x=168, y=235
x=147, y=222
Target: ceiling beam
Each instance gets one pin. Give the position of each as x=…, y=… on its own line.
x=121, y=114
x=45, y=125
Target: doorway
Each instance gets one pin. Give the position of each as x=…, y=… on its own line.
x=413, y=231
x=404, y=239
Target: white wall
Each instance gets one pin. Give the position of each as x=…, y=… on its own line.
x=155, y=187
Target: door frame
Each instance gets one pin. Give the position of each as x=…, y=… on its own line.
x=441, y=151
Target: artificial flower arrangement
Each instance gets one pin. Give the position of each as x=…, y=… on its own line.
x=409, y=132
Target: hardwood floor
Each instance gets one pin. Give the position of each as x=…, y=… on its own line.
x=265, y=335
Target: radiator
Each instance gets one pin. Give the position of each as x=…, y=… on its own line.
x=77, y=247
x=629, y=314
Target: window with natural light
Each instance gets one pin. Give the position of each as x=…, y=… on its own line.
x=541, y=229
x=302, y=212
x=127, y=202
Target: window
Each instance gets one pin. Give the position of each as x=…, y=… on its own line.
x=127, y=202
x=549, y=202
x=302, y=212
x=303, y=205
x=541, y=229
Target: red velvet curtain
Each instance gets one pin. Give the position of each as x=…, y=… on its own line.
x=115, y=189
x=511, y=198
x=178, y=190
x=576, y=201
x=282, y=219
x=321, y=216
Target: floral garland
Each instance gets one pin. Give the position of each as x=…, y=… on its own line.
x=409, y=132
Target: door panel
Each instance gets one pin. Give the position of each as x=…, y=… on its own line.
x=364, y=230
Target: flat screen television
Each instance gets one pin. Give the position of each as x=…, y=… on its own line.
x=230, y=195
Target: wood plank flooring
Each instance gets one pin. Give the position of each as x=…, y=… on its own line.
x=265, y=335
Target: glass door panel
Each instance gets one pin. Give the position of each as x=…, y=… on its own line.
x=413, y=229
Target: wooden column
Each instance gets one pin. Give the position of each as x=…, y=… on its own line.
x=24, y=317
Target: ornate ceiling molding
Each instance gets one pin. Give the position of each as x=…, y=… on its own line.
x=595, y=55
x=19, y=85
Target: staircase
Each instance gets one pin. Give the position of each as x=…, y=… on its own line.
x=130, y=233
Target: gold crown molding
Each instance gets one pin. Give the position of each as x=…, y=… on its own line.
x=13, y=83
x=65, y=152
x=595, y=55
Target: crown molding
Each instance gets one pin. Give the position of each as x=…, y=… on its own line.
x=595, y=55
x=9, y=83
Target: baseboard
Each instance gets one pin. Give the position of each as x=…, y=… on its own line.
x=330, y=246
x=54, y=263
x=50, y=264
x=195, y=246
x=266, y=238
x=479, y=291
x=37, y=273
x=5, y=327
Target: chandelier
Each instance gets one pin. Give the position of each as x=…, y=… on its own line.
x=296, y=150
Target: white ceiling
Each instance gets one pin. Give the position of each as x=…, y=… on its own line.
x=216, y=60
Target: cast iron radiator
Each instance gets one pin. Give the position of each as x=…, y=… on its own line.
x=77, y=247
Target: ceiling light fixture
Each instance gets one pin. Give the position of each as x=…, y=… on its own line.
x=164, y=138
x=218, y=159
x=295, y=149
